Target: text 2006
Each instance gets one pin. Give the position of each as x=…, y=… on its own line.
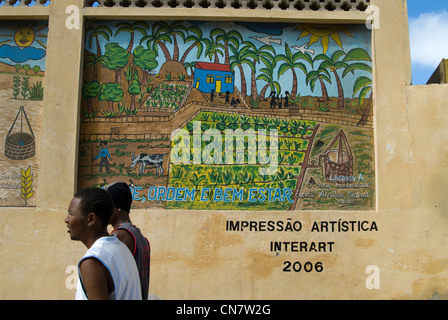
x=297, y=266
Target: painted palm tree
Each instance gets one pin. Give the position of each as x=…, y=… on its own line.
x=96, y=32
x=232, y=37
x=363, y=85
x=190, y=66
x=93, y=61
x=357, y=56
x=198, y=41
x=157, y=39
x=214, y=50
x=262, y=53
x=139, y=26
x=240, y=57
x=333, y=64
x=267, y=75
x=291, y=62
x=322, y=75
x=173, y=29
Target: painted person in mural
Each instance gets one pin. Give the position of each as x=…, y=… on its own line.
x=107, y=271
x=128, y=233
x=104, y=156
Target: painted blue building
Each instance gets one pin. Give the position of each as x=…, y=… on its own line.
x=213, y=76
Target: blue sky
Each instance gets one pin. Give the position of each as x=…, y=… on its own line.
x=428, y=33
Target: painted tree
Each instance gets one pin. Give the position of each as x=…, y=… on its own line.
x=173, y=30
x=157, y=38
x=291, y=62
x=363, y=85
x=264, y=53
x=334, y=64
x=356, y=57
x=139, y=26
x=26, y=68
x=95, y=32
x=145, y=59
x=36, y=69
x=213, y=50
x=322, y=75
x=90, y=90
x=93, y=61
x=133, y=85
x=232, y=37
x=111, y=92
x=267, y=75
x=360, y=60
x=116, y=58
x=240, y=57
x=190, y=66
x=198, y=42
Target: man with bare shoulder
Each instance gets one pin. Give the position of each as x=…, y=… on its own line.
x=128, y=233
x=107, y=271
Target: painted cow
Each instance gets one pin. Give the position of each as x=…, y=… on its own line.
x=148, y=160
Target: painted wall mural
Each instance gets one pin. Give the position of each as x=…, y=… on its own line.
x=234, y=116
x=22, y=70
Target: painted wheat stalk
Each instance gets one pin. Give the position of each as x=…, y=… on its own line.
x=26, y=184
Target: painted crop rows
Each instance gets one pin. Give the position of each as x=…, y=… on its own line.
x=228, y=186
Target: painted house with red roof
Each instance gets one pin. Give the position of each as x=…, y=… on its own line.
x=213, y=76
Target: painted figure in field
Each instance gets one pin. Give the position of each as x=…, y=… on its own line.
x=145, y=81
x=104, y=157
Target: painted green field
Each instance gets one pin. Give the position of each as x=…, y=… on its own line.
x=219, y=184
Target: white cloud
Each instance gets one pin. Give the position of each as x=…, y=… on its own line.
x=429, y=39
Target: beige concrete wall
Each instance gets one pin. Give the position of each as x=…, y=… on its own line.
x=194, y=257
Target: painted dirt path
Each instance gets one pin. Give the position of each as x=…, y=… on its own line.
x=165, y=125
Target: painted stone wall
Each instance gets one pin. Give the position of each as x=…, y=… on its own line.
x=235, y=116
x=22, y=72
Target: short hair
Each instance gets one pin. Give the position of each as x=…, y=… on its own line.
x=98, y=201
x=121, y=194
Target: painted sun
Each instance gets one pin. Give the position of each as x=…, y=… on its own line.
x=24, y=36
x=323, y=33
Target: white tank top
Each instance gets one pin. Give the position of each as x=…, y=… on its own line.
x=117, y=258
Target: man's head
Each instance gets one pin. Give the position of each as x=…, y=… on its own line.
x=89, y=213
x=121, y=195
